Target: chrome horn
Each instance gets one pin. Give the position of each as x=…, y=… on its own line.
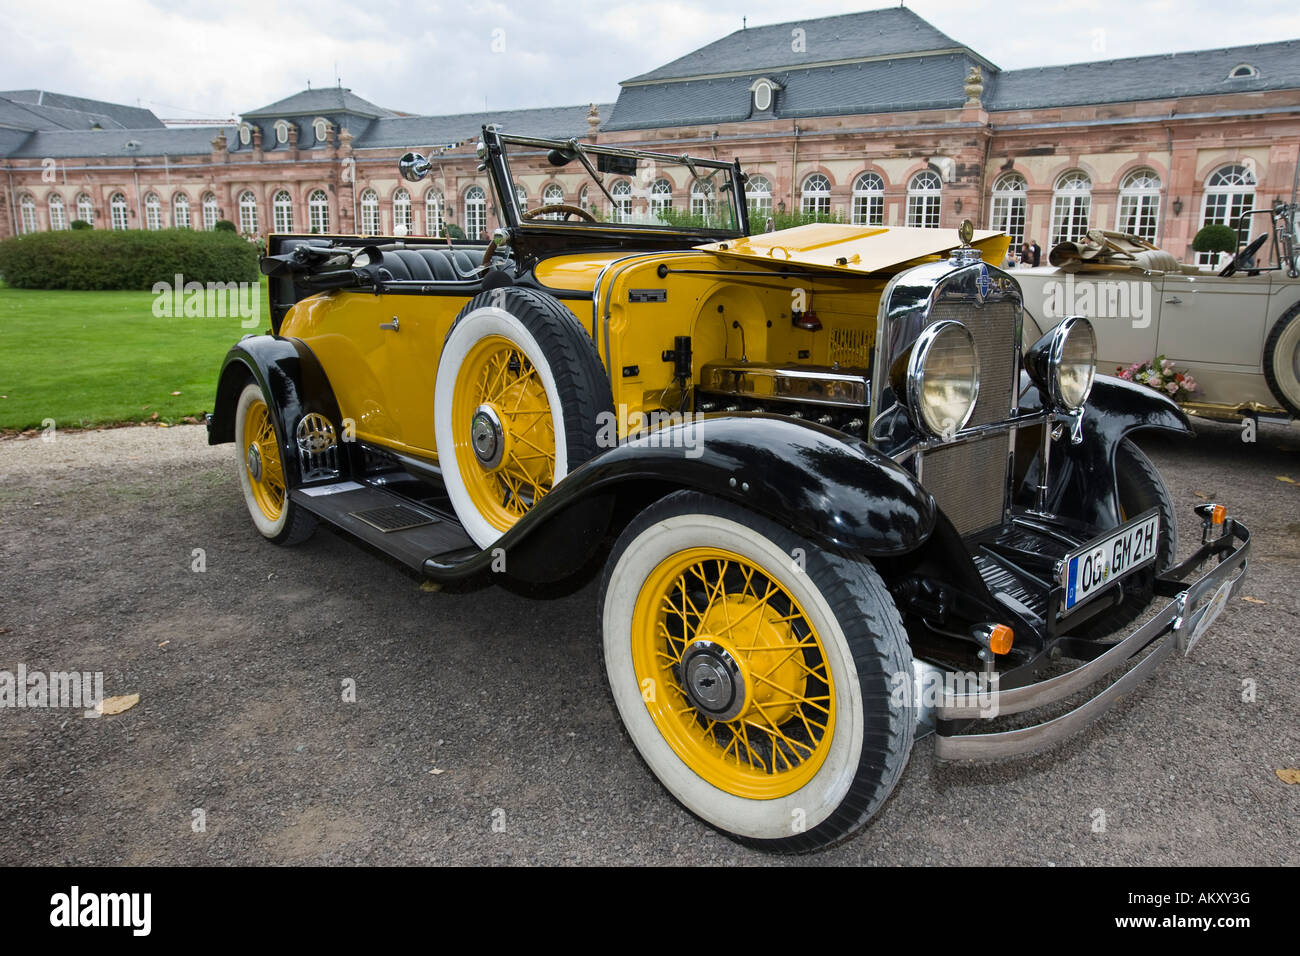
x=413, y=167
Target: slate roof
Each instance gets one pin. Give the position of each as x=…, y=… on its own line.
x=329, y=99
x=850, y=36
x=1198, y=73
x=550, y=122
x=64, y=144
x=46, y=110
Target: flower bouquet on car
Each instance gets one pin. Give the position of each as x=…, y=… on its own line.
x=1161, y=374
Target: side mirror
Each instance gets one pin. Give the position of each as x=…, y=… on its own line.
x=413, y=167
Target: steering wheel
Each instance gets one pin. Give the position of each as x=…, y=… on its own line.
x=1240, y=258
x=559, y=207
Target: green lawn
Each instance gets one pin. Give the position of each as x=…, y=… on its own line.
x=92, y=358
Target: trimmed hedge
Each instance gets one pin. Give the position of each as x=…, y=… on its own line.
x=125, y=259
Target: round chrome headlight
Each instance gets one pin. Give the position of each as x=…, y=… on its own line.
x=943, y=379
x=1064, y=362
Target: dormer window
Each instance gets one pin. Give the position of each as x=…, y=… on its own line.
x=1242, y=71
x=763, y=92
x=320, y=126
x=282, y=132
x=245, y=133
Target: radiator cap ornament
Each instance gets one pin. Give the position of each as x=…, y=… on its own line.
x=965, y=254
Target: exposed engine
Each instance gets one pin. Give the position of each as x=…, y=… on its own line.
x=829, y=395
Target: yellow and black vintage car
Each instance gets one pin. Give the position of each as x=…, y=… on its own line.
x=838, y=504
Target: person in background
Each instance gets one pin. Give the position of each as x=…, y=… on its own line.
x=1010, y=261
x=1036, y=253
x=1024, y=253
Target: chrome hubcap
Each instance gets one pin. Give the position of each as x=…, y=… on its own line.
x=487, y=436
x=255, y=462
x=713, y=680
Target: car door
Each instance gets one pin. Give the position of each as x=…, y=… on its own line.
x=1211, y=323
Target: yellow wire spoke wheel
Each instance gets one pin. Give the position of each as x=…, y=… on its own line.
x=503, y=431
x=262, y=460
x=743, y=692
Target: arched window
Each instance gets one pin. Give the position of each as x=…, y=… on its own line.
x=758, y=195
x=318, y=212
x=117, y=216
x=248, y=213
x=1229, y=195
x=924, y=196
x=282, y=132
x=58, y=213
x=85, y=209
x=1242, y=71
x=702, y=202
x=152, y=212
x=622, y=193
x=1071, y=206
x=181, y=211
x=369, y=213
x=475, y=213
x=552, y=195
x=321, y=127
x=1139, y=204
x=27, y=213
x=521, y=198
x=403, y=215
x=282, y=211
x=868, y=200
x=1008, y=215
x=661, y=197
x=210, y=211
x=584, y=199
x=245, y=134
x=816, y=195
x=433, y=213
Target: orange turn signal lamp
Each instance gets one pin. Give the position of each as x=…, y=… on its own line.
x=1001, y=638
x=1217, y=514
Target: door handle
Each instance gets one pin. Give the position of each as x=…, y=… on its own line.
x=393, y=326
x=1174, y=301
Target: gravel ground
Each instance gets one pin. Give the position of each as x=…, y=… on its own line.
x=481, y=730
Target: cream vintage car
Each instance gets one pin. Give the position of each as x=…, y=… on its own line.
x=1235, y=330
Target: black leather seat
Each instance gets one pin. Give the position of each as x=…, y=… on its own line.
x=428, y=264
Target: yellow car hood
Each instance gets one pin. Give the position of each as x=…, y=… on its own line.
x=860, y=249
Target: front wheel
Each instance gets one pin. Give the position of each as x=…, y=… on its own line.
x=260, y=467
x=1282, y=360
x=758, y=676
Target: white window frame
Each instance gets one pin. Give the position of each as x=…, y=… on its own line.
x=702, y=202
x=318, y=212
x=475, y=213
x=117, y=212
x=58, y=212
x=1229, y=195
x=815, y=195
x=369, y=213
x=433, y=206
x=1010, y=203
x=758, y=196
x=245, y=134
x=403, y=213
x=320, y=128
x=1138, y=211
x=85, y=208
x=210, y=210
x=621, y=210
x=924, y=200
x=282, y=211
x=181, y=211
x=282, y=132
x=247, y=204
x=869, y=199
x=1071, y=207
x=152, y=212
x=27, y=214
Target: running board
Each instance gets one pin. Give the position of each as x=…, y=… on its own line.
x=405, y=530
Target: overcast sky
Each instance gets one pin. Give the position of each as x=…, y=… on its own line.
x=189, y=58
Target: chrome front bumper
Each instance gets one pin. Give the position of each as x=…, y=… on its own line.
x=1178, y=625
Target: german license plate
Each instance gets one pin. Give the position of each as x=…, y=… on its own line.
x=1102, y=562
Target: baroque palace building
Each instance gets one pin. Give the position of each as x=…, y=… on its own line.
x=877, y=118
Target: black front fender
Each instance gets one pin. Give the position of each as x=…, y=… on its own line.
x=291, y=379
x=836, y=491
x=1082, y=484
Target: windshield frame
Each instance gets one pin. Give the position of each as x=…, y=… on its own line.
x=493, y=153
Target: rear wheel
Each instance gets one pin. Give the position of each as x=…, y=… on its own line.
x=1282, y=360
x=760, y=677
x=261, y=472
x=1140, y=488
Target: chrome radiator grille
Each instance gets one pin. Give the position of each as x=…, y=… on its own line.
x=968, y=480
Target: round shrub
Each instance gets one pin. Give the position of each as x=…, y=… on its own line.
x=224, y=225
x=80, y=224
x=1215, y=238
